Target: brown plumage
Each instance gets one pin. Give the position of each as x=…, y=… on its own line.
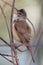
x=23, y=31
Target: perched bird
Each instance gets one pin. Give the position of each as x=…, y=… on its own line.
x=22, y=28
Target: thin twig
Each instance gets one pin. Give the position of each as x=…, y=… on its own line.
x=11, y=25
x=6, y=55
x=31, y=24
x=5, y=20
x=20, y=12
x=15, y=43
x=3, y=45
x=9, y=4
x=7, y=59
x=4, y=41
x=15, y=53
x=11, y=20
x=11, y=41
x=37, y=44
x=10, y=45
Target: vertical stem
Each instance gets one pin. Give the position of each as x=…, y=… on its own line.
x=11, y=41
x=5, y=20
x=11, y=21
x=13, y=48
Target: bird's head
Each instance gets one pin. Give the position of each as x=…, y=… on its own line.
x=20, y=15
x=22, y=12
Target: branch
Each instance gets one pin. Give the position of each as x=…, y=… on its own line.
x=15, y=53
x=17, y=11
x=40, y=35
x=17, y=47
x=4, y=41
x=31, y=24
x=6, y=55
x=11, y=32
x=7, y=59
x=10, y=45
x=5, y=20
x=11, y=20
x=9, y=4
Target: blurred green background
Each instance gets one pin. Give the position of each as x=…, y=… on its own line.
x=36, y=16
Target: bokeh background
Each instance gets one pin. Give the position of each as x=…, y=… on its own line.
x=34, y=9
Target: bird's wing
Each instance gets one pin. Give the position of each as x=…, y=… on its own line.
x=22, y=29
x=24, y=34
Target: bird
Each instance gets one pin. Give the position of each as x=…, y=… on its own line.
x=22, y=28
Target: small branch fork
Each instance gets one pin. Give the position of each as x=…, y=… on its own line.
x=11, y=45
x=4, y=56
x=11, y=38
x=14, y=45
x=17, y=11
x=9, y=4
